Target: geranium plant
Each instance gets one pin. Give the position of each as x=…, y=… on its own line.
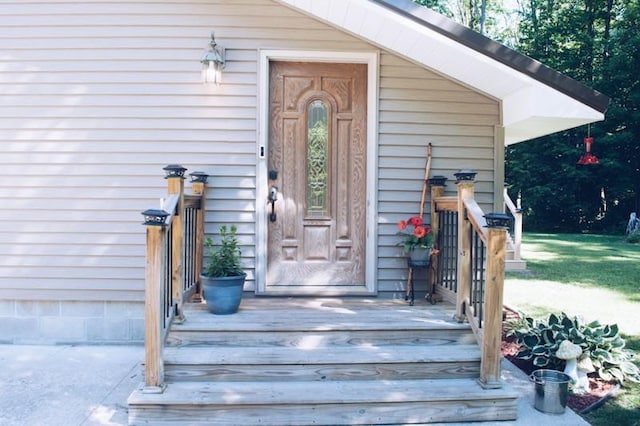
x=415, y=234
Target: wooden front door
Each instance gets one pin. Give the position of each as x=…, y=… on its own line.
x=317, y=162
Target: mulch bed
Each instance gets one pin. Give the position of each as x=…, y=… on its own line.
x=598, y=388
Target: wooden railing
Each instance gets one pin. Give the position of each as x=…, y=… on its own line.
x=470, y=266
x=515, y=209
x=174, y=260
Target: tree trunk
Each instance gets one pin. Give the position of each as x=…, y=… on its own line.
x=483, y=15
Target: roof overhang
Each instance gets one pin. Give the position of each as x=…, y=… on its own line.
x=535, y=100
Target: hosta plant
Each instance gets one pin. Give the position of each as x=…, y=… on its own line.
x=539, y=340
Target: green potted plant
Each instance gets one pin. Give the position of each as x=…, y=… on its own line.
x=223, y=277
x=417, y=239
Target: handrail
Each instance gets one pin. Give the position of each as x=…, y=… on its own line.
x=479, y=250
x=170, y=205
x=509, y=202
x=174, y=234
x=475, y=215
x=447, y=203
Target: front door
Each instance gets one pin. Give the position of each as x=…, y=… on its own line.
x=317, y=162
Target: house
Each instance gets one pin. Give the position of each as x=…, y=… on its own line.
x=314, y=137
x=97, y=97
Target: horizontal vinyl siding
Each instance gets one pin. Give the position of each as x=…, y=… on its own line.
x=98, y=96
x=417, y=107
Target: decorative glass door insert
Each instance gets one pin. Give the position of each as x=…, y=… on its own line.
x=317, y=159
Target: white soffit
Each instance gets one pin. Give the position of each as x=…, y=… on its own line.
x=530, y=108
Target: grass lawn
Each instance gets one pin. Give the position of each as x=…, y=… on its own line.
x=594, y=277
x=599, y=261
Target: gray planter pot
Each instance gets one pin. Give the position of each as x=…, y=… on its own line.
x=223, y=294
x=420, y=254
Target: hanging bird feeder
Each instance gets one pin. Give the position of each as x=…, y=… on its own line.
x=588, y=158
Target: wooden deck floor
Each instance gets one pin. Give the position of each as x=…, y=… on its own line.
x=275, y=313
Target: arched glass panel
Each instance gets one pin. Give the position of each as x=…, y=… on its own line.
x=317, y=159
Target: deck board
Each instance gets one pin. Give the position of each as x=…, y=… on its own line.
x=351, y=402
x=321, y=354
x=295, y=338
x=323, y=372
x=336, y=392
x=276, y=314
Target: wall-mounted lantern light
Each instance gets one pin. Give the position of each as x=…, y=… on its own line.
x=213, y=62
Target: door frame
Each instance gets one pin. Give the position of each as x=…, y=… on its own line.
x=371, y=58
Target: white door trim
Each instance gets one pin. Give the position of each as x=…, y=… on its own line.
x=372, y=60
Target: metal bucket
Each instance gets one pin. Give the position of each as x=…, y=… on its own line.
x=552, y=389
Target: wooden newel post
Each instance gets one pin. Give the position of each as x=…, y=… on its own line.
x=465, y=183
x=517, y=232
x=498, y=224
x=153, y=365
x=437, y=184
x=174, y=174
x=516, y=211
x=198, y=187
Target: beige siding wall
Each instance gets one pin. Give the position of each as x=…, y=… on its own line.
x=98, y=96
x=416, y=107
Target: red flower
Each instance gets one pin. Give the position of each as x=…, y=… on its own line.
x=418, y=236
x=415, y=221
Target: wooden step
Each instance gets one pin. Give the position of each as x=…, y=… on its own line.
x=185, y=337
x=328, y=316
x=329, y=403
x=515, y=265
x=388, y=322
x=322, y=354
x=322, y=363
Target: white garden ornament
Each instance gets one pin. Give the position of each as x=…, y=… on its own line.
x=585, y=366
x=570, y=353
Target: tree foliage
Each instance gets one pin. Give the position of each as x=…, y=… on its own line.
x=597, y=43
x=483, y=16
x=593, y=42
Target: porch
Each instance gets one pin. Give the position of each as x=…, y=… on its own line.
x=326, y=361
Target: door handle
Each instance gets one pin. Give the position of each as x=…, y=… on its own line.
x=273, y=197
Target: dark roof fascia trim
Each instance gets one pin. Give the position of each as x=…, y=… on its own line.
x=501, y=53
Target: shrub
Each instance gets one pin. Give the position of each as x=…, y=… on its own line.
x=224, y=260
x=539, y=341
